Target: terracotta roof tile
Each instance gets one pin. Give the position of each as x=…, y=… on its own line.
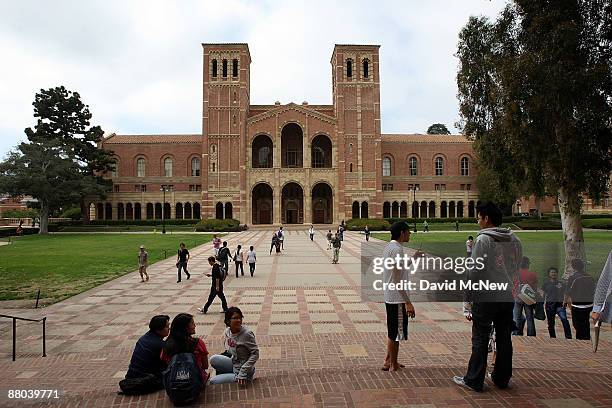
x=418, y=138
x=152, y=139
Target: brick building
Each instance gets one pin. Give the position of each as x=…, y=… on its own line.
x=293, y=163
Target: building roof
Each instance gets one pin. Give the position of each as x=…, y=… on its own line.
x=153, y=139
x=419, y=138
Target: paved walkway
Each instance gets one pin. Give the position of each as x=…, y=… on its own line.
x=321, y=344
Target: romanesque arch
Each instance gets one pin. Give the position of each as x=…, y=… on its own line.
x=262, y=201
x=292, y=204
x=292, y=146
x=323, y=204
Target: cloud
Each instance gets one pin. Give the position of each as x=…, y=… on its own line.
x=138, y=64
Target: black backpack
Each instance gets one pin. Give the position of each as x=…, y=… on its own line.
x=141, y=385
x=183, y=379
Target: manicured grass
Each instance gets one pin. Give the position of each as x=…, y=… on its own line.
x=544, y=248
x=63, y=265
x=450, y=226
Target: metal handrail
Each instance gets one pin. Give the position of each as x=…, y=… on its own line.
x=15, y=318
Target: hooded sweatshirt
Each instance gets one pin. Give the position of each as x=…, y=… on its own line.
x=243, y=348
x=501, y=252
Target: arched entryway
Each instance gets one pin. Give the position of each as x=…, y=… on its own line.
x=323, y=204
x=219, y=211
x=262, y=150
x=292, y=204
x=424, y=209
x=386, y=209
x=471, y=209
x=355, y=210
x=262, y=204
x=364, y=209
x=292, y=141
x=432, y=209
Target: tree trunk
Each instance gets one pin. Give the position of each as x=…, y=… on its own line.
x=538, y=205
x=84, y=213
x=571, y=221
x=44, y=218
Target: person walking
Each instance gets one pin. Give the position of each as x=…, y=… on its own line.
x=336, y=244
x=281, y=238
x=311, y=232
x=216, y=244
x=238, y=260
x=341, y=231
x=501, y=252
x=275, y=244
x=456, y=225
x=251, y=259
x=143, y=262
x=329, y=239
x=397, y=301
x=366, y=231
x=216, y=288
x=224, y=255
x=554, y=290
x=425, y=226
x=524, y=277
x=581, y=291
x=182, y=257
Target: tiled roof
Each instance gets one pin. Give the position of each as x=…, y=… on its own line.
x=152, y=139
x=418, y=138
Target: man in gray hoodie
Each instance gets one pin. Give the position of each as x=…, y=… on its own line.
x=500, y=251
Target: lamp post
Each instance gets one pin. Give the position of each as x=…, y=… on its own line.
x=163, y=189
x=415, y=188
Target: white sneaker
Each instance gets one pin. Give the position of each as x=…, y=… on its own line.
x=459, y=380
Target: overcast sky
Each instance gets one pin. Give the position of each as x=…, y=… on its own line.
x=138, y=64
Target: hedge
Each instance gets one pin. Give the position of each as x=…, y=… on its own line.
x=535, y=224
x=583, y=216
x=598, y=223
x=358, y=224
x=214, y=225
x=156, y=222
x=464, y=220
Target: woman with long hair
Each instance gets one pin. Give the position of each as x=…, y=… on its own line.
x=181, y=340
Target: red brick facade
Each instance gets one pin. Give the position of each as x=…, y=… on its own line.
x=293, y=163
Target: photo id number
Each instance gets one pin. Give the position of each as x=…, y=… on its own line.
x=32, y=394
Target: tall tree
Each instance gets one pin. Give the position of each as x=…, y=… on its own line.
x=438, y=129
x=535, y=94
x=60, y=164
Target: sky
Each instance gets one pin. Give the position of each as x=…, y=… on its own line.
x=138, y=64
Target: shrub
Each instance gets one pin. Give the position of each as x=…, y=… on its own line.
x=72, y=213
x=214, y=225
x=29, y=213
x=535, y=224
x=598, y=223
x=358, y=224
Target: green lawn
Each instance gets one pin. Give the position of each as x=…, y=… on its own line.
x=544, y=248
x=65, y=265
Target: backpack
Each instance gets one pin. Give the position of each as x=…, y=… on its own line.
x=183, y=379
x=223, y=272
x=141, y=385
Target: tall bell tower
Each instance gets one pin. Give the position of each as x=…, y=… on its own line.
x=356, y=95
x=226, y=92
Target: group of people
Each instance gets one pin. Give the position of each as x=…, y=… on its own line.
x=495, y=312
x=278, y=241
x=168, y=354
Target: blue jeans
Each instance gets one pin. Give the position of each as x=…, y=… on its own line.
x=552, y=310
x=519, y=320
x=224, y=370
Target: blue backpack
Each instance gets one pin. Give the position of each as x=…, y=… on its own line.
x=183, y=379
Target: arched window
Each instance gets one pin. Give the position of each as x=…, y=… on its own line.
x=366, y=68
x=168, y=167
x=355, y=212
x=140, y=167
x=195, y=166
x=465, y=166
x=439, y=166
x=412, y=165
x=350, y=167
x=235, y=68
x=214, y=167
x=213, y=148
x=224, y=69
x=214, y=68
x=321, y=152
x=113, y=169
x=386, y=163
x=349, y=68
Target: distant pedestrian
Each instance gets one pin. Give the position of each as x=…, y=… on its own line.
x=336, y=244
x=216, y=288
x=275, y=244
x=251, y=259
x=143, y=262
x=469, y=245
x=425, y=226
x=366, y=231
x=581, y=291
x=311, y=232
x=224, y=255
x=216, y=244
x=238, y=260
x=341, y=232
x=329, y=239
x=281, y=238
x=456, y=225
x=554, y=290
x=182, y=257
x=524, y=277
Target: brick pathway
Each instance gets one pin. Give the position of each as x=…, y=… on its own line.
x=321, y=345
